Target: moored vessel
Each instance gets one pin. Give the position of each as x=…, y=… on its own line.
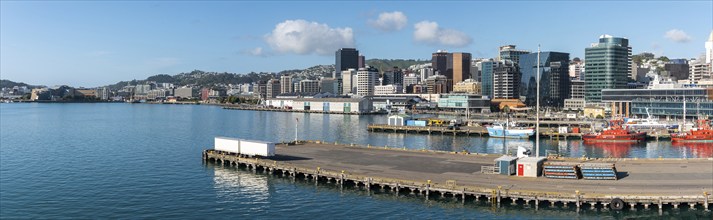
x=701, y=134
x=615, y=133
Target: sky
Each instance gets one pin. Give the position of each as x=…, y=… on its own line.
x=86, y=43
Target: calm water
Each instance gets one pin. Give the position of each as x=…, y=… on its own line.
x=126, y=161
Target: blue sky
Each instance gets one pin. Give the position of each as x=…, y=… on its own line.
x=98, y=43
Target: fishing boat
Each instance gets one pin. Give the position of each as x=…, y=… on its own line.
x=701, y=134
x=615, y=133
x=509, y=130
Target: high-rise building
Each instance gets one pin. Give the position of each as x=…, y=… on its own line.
x=349, y=81
x=439, y=62
x=260, y=88
x=425, y=73
x=103, y=93
x=709, y=49
x=575, y=68
x=309, y=86
x=458, y=66
x=331, y=85
x=345, y=58
x=677, y=69
x=608, y=66
x=367, y=78
x=438, y=84
x=273, y=88
x=362, y=61
x=486, y=77
x=506, y=80
x=476, y=69
x=577, y=91
x=286, y=85
x=554, y=78
x=410, y=79
x=699, y=71
x=508, y=52
x=394, y=76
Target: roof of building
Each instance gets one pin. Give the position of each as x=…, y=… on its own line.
x=330, y=99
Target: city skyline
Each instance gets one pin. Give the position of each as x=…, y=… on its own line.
x=93, y=44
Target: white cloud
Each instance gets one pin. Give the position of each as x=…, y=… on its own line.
x=429, y=32
x=303, y=37
x=390, y=21
x=677, y=35
x=257, y=52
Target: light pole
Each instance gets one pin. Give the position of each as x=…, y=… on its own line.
x=537, y=114
x=297, y=120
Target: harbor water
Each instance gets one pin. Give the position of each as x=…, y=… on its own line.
x=118, y=160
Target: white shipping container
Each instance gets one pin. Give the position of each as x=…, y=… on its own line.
x=227, y=144
x=563, y=130
x=260, y=148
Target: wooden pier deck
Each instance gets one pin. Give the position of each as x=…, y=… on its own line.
x=642, y=182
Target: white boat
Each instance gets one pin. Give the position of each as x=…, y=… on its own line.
x=645, y=123
x=509, y=131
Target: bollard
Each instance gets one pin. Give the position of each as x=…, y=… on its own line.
x=705, y=201
x=577, y=192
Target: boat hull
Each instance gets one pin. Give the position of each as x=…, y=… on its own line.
x=633, y=138
x=685, y=140
x=511, y=133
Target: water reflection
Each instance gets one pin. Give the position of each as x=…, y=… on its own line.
x=695, y=150
x=507, y=146
x=613, y=149
x=243, y=187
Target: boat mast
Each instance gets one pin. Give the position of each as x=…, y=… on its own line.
x=537, y=109
x=683, y=126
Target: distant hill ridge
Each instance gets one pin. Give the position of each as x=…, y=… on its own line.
x=212, y=79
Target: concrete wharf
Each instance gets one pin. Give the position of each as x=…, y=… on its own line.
x=642, y=182
x=463, y=131
x=299, y=111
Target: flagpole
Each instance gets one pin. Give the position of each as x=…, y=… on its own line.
x=537, y=119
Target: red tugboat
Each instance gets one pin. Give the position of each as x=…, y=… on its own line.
x=702, y=134
x=615, y=133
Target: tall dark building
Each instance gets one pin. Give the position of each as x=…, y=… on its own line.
x=679, y=70
x=555, y=84
x=345, y=58
x=395, y=76
x=439, y=63
x=362, y=61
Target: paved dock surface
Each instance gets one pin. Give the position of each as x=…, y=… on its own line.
x=642, y=177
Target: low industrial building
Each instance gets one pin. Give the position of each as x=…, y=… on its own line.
x=593, y=111
x=458, y=101
x=664, y=103
x=333, y=105
x=394, y=101
x=574, y=104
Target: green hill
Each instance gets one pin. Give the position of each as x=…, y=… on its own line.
x=388, y=64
